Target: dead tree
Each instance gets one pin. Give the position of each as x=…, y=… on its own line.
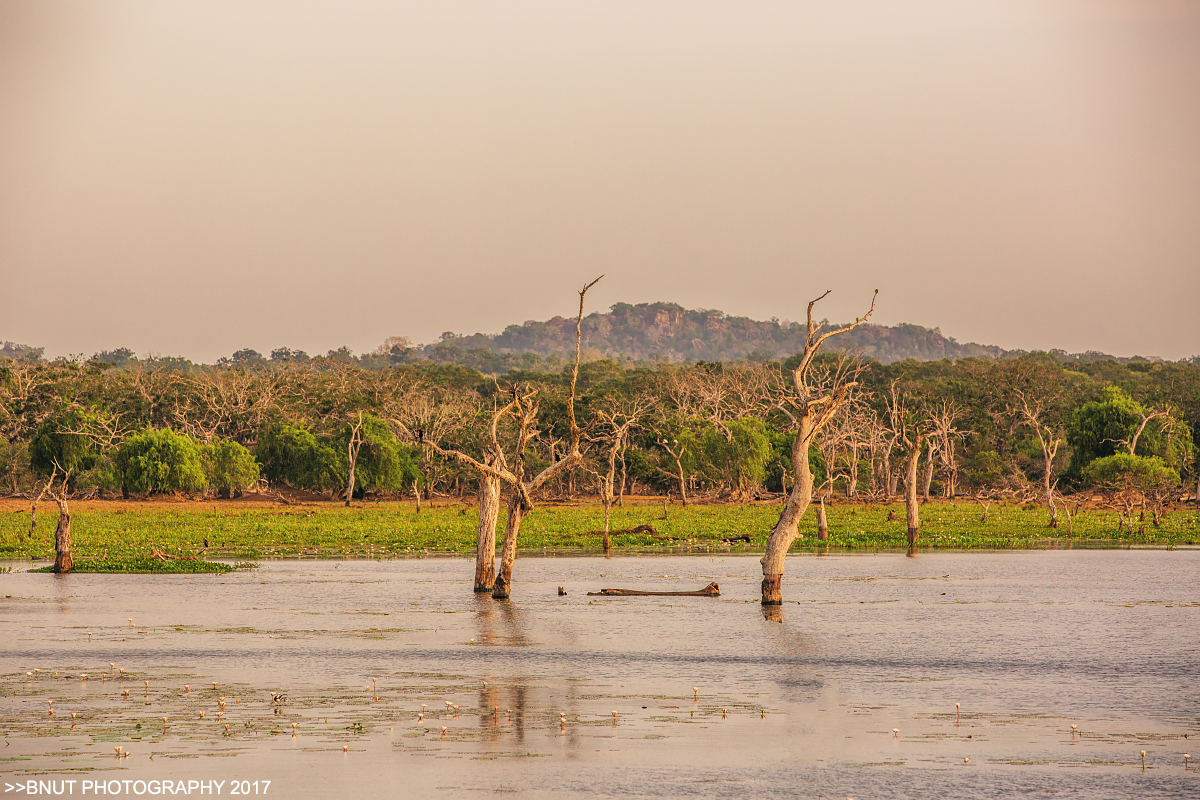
x=891, y=436
x=932, y=448
x=523, y=408
x=63, y=560
x=352, y=450
x=616, y=425
x=811, y=407
x=1034, y=416
x=675, y=449
x=913, y=438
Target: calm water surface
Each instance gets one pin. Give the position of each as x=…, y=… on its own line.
x=1027, y=643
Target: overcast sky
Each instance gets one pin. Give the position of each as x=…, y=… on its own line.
x=196, y=177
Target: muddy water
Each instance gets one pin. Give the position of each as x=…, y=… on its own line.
x=852, y=694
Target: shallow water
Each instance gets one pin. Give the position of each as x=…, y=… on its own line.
x=1028, y=643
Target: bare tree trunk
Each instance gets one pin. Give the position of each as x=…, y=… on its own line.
x=352, y=453
x=485, y=540
x=822, y=522
x=910, y=489
x=417, y=494
x=682, y=483
x=33, y=511
x=512, y=529
x=928, y=470
x=621, y=490
x=63, y=561
x=787, y=529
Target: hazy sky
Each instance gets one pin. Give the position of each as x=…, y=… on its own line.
x=196, y=177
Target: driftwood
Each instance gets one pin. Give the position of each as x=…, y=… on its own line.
x=712, y=590
x=163, y=556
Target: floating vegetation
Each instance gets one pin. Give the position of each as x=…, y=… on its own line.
x=151, y=566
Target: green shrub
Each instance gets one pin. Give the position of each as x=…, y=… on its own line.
x=738, y=463
x=229, y=468
x=293, y=456
x=153, y=462
x=1122, y=470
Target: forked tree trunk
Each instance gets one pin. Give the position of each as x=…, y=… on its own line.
x=787, y=529
x=512, y=529
x=928, y=470
x=63, y=561
x=485, y=540
x=822, y=522
x=910, y=489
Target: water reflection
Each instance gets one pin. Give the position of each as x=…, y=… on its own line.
x=808, y=702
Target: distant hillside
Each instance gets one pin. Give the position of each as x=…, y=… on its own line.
x=669, y=332
x=646, y=332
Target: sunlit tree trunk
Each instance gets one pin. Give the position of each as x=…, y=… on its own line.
x=353, y=447
x=910, y=488
x=508, y=557
x=485, y=541
x=928, y=470
x=787, y=529
x=63, y=560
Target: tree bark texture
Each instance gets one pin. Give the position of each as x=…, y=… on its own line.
x=787, y=529
x=512, y=529
x=822, y=522
x=63, y=561
x=910, y=488
x=485, y=540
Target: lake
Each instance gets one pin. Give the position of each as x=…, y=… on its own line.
x=852, y=693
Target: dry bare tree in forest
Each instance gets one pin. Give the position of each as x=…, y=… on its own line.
x=615, y=425
x=523, y=408
x=810, y=406
x=913, y=436
x=942, y=419
x=851, y=436
x=676, y=449
x=1034, y=415
x=352, y=449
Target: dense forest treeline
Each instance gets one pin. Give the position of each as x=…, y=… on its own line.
x=646, y=334
x=1026, y=425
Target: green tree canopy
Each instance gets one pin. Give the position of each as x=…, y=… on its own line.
x=293, y=456
x=158, y=461
x=229, y=467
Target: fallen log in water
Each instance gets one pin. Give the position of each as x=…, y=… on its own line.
x=712, y=590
